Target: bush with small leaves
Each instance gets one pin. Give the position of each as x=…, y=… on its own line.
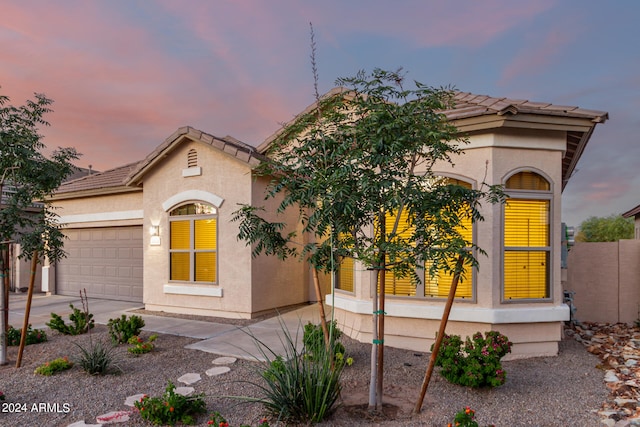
x=56, y=365
x=476, y=363
x=81, y=322
x=34, y=336
x=123, y=328
x=171, y=407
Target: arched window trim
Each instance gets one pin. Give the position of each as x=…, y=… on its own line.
x=193, y=252
x=523, y=194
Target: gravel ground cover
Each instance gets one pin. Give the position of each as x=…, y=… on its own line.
x=553, y=391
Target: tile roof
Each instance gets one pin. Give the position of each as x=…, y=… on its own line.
x=471, y=105
x=238, y=149
x=632, y=213
x=109, y=179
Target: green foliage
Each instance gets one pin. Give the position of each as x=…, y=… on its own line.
x=216, y=419
x=31, y=176
x=140, y=346
x=605, y=229
x=299, y=389
x=313, y=340
x=97, y=358
x=34, y=336
x=81, y=322
x=123, y=328
x=364, y=152
x=476, y=362
x=465, y=418
x=2, y=396
x=171, y=407
x=56, y=365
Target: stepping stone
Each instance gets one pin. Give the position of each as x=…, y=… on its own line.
x=610, y=377
x=132, y=399
x=113, y=417
x=218, y=370
x=185, y=391
x=224, y=360
x=83, y=424
x=190, y=378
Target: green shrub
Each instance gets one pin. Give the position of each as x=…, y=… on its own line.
x=171, y=407
x=298, y=388
x=98, y=358
x=477, y=362
x=81, y=322
x=56, y=365
x=34, y=336
x=465, y=418
x=313, y=339
x=122, y=329
x=141, y=346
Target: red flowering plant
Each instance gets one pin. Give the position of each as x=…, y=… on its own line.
x=140, y=346
x=171, y=407
x=217, y=420
x=476, y=363
x=2, y=396
x=465, y=418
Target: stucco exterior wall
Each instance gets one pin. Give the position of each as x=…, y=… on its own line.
x=222, y=176
x=277, y=283
x=533, y=326
x=101, y=210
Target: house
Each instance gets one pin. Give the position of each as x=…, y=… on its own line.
x=634, y=213
x=159, y=231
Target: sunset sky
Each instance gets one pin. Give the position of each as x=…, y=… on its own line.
x=125, y=74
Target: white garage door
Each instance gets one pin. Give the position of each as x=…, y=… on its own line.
x=107, y=262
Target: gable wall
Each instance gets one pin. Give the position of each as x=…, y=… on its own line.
x=225, y=177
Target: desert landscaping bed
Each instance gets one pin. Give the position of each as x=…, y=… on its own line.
x=549, y=391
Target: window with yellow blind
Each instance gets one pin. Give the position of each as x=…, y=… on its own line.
x=527, y=243
x=437, y=286
x=344, y=280
x=193, y=250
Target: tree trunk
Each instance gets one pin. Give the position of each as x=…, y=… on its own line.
x=323, y=316
x=27, y=310
x=3, y=310
x=380, y=376
x=374, y=350
x=440, y=336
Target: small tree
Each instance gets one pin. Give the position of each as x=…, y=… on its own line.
x=359, y=167
x=605, y=229
x=27, y=177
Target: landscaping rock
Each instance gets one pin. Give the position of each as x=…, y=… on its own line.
x=190, y=378
x=224, y=360
x=218, y=370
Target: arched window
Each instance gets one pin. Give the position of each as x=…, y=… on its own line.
x=193, y=248
x=526, y=239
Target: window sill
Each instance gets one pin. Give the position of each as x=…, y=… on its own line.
x=205, y=290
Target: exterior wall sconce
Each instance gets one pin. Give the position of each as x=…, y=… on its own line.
x=154, y=230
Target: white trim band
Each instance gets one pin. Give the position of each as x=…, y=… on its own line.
x=559, y=313
x=101, y=216
x=207, y=291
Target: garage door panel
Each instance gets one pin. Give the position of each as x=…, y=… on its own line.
x=108, y=262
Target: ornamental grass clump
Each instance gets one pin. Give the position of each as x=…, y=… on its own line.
x=299, y=388
x=171, y=407
x=98, y=358
x=476, y=362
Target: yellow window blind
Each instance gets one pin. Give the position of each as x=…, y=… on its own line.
x=526, y=271
x=345, y=275
x=179, y=266
x=526, y=223
x=205, y=233
x=205, y=268
x=180, y=235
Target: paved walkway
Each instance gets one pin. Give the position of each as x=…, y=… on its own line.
x=217, y=338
